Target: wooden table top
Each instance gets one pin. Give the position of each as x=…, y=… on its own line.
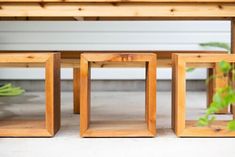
x=111, y=9
x=80, y=1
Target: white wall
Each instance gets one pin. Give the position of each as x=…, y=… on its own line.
x=118, y=35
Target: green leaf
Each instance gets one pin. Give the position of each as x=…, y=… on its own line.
x=212, y=119
x=12, y=93
x=212, y=109
x=231, y=125
x=9, y=90
x=203, y=121
x=217, y=99
x=225, y=67
x=216, y=45
x=8, y=85
x=190, y=69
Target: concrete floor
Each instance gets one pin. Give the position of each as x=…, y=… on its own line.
x=110, y=105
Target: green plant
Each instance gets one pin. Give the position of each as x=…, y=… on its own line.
x=9, y=90
x=224, y=97
x=216, y=45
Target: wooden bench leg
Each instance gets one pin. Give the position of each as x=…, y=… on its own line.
x=76, y=90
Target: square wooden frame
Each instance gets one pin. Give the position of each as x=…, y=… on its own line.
x=36, y=128
x=181, y=126
x=148, y=59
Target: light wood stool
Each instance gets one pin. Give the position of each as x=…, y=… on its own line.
x=189, y=128
x=36, y=128
x=145, y=128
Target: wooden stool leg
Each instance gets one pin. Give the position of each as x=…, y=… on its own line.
x=173, y=116
x=76, y=90
x=232, y=108
x=210, y=88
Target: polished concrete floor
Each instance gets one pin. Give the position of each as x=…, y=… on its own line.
x=110, y=106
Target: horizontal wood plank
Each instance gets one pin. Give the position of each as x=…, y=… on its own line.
x=23, y=128
x=118, y=1
x=24, y=58
x=161, y=10
x=219, y=129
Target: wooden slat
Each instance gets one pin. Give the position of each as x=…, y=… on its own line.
x=179, y=1
x=84, y=95
x=218, y=129
x=173, y=96
x=76, y=90
x=23, y=128
x=52, y=90
x=180, y=95
x=161, y=10
x=210, y=90
x=71, y=18
x=233, y=36
x=112, y=128
x=206, y=58
x=24, y=58
x=151, y=94
x=232, y=108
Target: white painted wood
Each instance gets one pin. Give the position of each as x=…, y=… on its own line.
x=114, y=26
x=115, y=35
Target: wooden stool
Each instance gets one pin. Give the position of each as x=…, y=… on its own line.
x=181, y=126
x=145, y=128
x=36, y=128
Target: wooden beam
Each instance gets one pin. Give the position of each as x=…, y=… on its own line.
x=99, y=1
x=110, y=18
x=161, y=10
